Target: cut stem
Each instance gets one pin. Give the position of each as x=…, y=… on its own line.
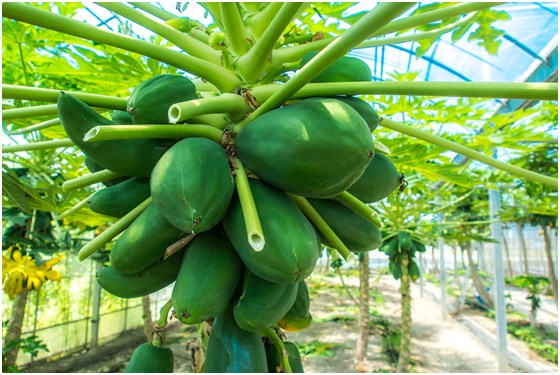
x=164, y=314
x=42, y=125
x=89, y=179
x=360, y=207
x=114, y=230
x=321, y=225
x=43, y=145
x=25, y=112
x=113, y=132
x=232, y=104
x=468, y=152
x=271, y=334
x=83, y=203
x=255, y=234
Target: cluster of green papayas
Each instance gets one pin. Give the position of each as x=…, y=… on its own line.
x=397, y=245
x=317, y=148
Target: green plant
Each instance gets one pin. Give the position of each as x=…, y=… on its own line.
x=316, y=348
x=535, y=286
x=544, y=344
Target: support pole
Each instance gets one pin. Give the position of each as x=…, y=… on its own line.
x=421, y=267
x=499, y=284
x=95, y=314
x=442, y=275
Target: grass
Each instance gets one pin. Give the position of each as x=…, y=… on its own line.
x=544, y=343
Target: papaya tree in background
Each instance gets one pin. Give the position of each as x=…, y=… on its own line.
x=535, y=286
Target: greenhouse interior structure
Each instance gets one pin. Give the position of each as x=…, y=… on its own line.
x=428, y=243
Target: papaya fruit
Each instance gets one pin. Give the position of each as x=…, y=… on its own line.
x=192, y=184
x=291, y=246
x=232, y=349
x=370, y=116
x=121, y=117
x=262, y=303
x=130, y=157
x=395, y=269
x=150, y=101
x=94, y=167
x=314, y=148
x=148, y=281
x=148, y=358
x=298, y=317
x=117, y=200
x=405, y=241
x=390, y=246
x=208, y=278
x=380, y=179
x=413, y=270
x=345, y=69
x=420, y=247
x=144, y=242
x=353, y=229
x=294, y=358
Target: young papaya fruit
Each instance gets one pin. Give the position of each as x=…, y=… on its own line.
x=117, y=200
x=192, y=184
x=298, y=317
x=413, y=270
x=144, y=242
x=294, y=358
x=420, y=247
x=314, y=148
x=405, y=241
x=291, y=246
x=121, y=117
x=148, y=358
x=353, y=229
x=150, y=101
x=208, y=278
x=94, y=167
x=148, y=281
x=130, y=157
x=370, y=116
x=345, y=69
x=390, y=246
x=232, y=349
x=379, y=179
x=395, y=269
x=262, y=303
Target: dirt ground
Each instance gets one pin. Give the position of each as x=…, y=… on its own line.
x=438, y=345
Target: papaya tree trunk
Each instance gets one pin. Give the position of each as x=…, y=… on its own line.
x=15, y=328
x=363, y=320
x=550, y=262
x=406, y=316
x=479, y=286
x=523, y=248
x=147, y=317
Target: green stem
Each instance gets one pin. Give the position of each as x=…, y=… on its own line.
x=163, y=314
x=222, y=78
x=237, y=35
x=114, y=230
x=253, y=226
x=51, y=96
x=466, y=151
x=251, y=64
x=321, y=225
x=214, y=9
x=295, y=53
x=25, y=112
x=83, y=203
x=271, y=334
x=232, y=104
x=89, y=179
x=190, y=45
x=368, y=24
x=113, y=132
x=42, y=125
x=258, y=22
x=44, y=145
x=217, y=120
x=154, y=11
x=360, y=207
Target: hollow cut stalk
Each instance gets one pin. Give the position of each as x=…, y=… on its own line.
x=360, y=207
x=114, y=132
x=89, y=179
x=232, y=104
x=25, y=112
x=321, y=225
x=470, y=153
x=114, y=230
x=225, y=80
x=42, y=125
x=253, y=226
x=42, y=145
x=368, y=24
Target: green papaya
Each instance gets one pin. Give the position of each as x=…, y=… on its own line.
x=420, y=247
x=314, y=148
x=262, y=303
x=192, y=184
x=345, y=69
x=291, y=246
x=148, y=281
x=117, y=200
x=144, y=242
x=130, y=157
x=370, y=116
x=121, y=117
x=395, y=269
x=148, y=358
x=353, y=229
x=208, y=278
x=380, y=179
x=413, y=270
x=405, y=241
x=294, y=358
x=150, y=101
x=298, y=317
x=232, y=349
x=390, y=246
